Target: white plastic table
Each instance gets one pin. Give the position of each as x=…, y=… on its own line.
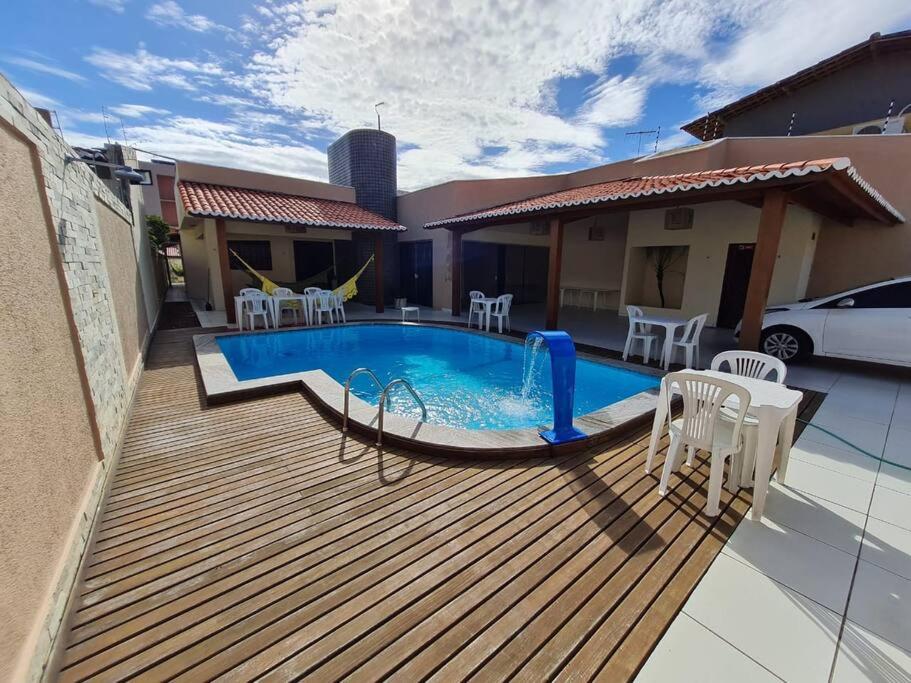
x=775, y=408
x=670, y=326
x=488, y=302
x=581, y=291
x=302, y=300
x=239, y=312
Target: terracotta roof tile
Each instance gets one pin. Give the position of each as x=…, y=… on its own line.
x=629, y=188
x=223, y=201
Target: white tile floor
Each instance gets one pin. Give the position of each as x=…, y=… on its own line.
x=820, y=590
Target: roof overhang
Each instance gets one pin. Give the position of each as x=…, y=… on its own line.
x=711, y=125
x=831, y=187
x=207, y=200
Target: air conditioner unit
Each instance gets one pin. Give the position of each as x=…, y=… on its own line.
x=539, y=226
x=680, y=218
x=894, y=126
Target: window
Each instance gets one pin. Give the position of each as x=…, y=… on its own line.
x=896, y=295
x=257, y=254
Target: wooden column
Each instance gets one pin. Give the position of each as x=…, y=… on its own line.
x=456, y=273
x=224, y=265
x=553, y=273
x=378, y=272
x=771, y=220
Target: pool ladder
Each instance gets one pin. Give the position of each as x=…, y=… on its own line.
x=384, y=398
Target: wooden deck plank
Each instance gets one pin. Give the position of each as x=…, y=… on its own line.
x=255, y=539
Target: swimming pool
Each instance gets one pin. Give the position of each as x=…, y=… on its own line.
x=467, y=380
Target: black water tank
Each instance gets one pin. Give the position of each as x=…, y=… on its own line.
x=365, y=159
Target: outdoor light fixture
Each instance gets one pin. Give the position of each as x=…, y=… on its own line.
x=121, y=172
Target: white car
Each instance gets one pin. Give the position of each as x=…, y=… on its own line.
x=870, y=323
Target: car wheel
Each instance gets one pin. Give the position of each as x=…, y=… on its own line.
x=786, y=343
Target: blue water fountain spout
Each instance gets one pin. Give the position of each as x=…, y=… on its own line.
x=563, y=373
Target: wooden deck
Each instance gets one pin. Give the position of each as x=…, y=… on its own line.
x=255, y=540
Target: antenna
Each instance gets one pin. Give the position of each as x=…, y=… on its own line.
x=657, y=137
x=104, y=119
x=124, y=131
x=791, y=124
x=376, y=109
x=888, y=115
x=640, y=133
x=705, y=128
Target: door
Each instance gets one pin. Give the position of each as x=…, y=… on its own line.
x=313, y=263
x=736, y=282
x=525, y=273
x=416, y=272
x=873, y=324
x=480, y=268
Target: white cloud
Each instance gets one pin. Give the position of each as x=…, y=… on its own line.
x=142, y=70
x=460, y=78
x=169, y=13
x=36, y=99
x=41, y=67
x=117, y=6
x=784, y=37
x=223, y=144
x=137, y=111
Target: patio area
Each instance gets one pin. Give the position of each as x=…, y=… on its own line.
x=255, y=539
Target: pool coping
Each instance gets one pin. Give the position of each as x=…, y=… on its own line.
x=220, y=385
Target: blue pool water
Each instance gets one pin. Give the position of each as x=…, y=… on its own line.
x=466, y=380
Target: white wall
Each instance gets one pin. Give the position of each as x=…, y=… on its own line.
x=716, y=226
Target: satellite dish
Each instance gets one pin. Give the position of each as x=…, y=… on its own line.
x=127, y=173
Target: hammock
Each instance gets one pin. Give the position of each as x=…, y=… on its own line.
x=346, y=290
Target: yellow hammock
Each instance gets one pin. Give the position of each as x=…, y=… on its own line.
x=346, y=290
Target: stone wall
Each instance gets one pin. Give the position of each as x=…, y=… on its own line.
x=69, y=212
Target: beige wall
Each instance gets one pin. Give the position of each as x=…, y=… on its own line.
x=48, y=449
x=73, y=320
x=845, y=256
x=715, y=227
x=848, y=256
x=126, y=286
x=195, y=262
x=203, y=254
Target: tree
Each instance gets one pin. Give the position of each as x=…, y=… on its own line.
x=158, y=231
x=661, y=259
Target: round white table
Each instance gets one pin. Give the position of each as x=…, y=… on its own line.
x=775, y=408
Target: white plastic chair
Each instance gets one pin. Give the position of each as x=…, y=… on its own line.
x=639, y=332
x=339, y=307
x=688, y=342
x=751, y=364
x=256, y=304
x=699, y=428
x=285, y=305
x=249, y=290
x=501, y=311
x=475, y=307
x=309, y=291
x=758, y=366
x=324, y=302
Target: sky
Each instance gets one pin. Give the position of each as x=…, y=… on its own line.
x=472, y=88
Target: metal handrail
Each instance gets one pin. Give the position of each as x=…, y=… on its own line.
x=359, y=371
x=404, y=382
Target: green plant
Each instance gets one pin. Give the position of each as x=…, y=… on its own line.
x=661, y=259
x=177, y=269
x=158, y=231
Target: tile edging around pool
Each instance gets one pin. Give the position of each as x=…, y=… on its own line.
x=221, y=385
